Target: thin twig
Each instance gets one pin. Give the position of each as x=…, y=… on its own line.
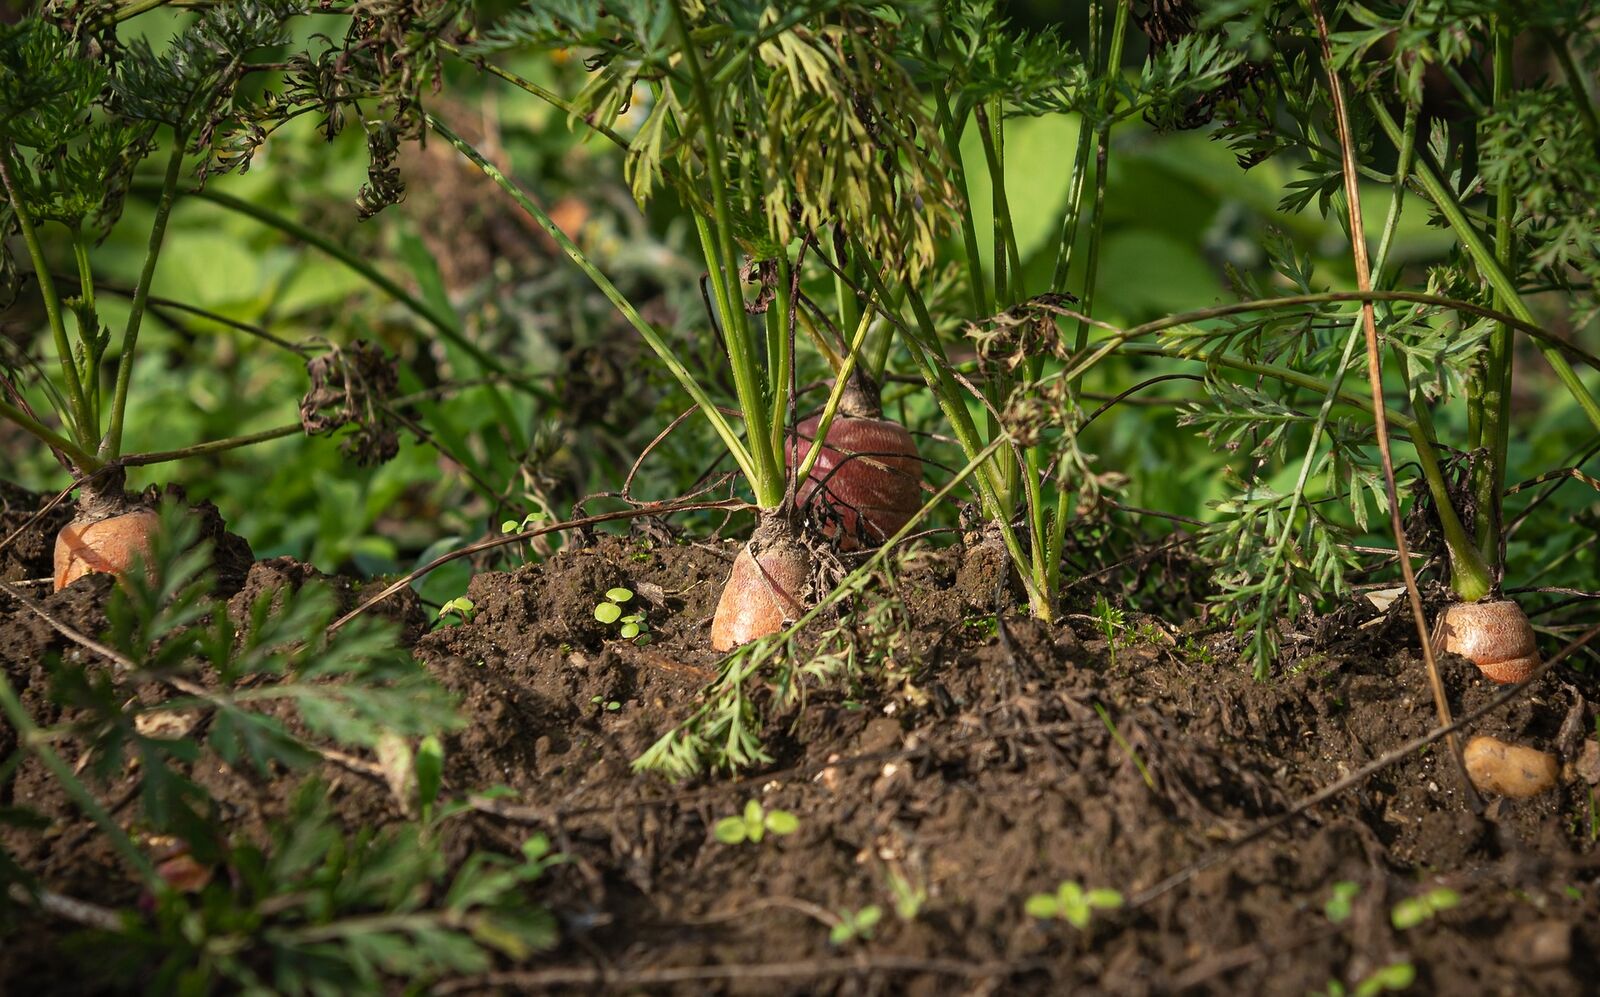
x=1358, y=245
x=862, y=965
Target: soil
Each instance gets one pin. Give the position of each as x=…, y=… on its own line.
x=994, y=760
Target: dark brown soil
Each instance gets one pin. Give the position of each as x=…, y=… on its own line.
x=989, y=763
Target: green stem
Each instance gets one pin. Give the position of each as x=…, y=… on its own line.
x=211, y=446
x=780, y=351
x=88, y=323
x=1493, y=410
x=997, y=503
x=548, y=96
x=1489, y=266
x=1007, y=264
x=78, y=418
x=981, y=304
x=111, y=446
x=768, y=481
x=82, y=460
x=662, y=350
x=1102, y=146
x=1007, y=281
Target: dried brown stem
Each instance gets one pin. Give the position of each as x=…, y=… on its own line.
x=1380, y=417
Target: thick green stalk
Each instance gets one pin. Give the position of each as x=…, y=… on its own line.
x=82, y=459
x=981, y=303
x=1007, y=261
x=1007, y=285
x=923, y=345
x=1102, y=145
x=780, y=352
x=1493, y=413
x=88, y=323
x=111, y=445
x=662, y=350
x=721, y=251
x=1489, y=266
x=79, y=423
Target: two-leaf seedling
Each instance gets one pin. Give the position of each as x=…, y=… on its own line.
x=630, y=627
x=754, y=824
x=461, y=606
x=1413, y=911
x=1393, y=978
x=529, y=521
x=1338, y=908
x=853, y=925
x=1072, y=903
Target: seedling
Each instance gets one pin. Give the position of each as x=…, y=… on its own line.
x=633, y=626
x=529, y=521
x=1338, y=906
x=855, y=925
x=1392, y=978
x=461, y=606
x=908, y=896
x=1072, y=903
x=1109, y=620
x=754, y=824
x=607, y=705
x=1413, y=911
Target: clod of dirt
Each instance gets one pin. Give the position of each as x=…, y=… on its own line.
x=281, y=575
x=1538, y=943
x=1509, y=769
x=30, y=554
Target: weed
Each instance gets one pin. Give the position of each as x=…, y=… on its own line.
x=1072, y=903
x=1339, y=905
x=1393, y=978
x=908, y=896
x=1413, y=911
x=601, y=703
x=855, y=925
x=1110, y=621
x=633, y=626
x=461, y=607
x=754, y=824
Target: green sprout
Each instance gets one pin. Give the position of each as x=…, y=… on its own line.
x=1413, y=911
x=1393, y=978
x=602, y=703
x=529, y=521
x=855, y=925
x=1338, y=906
x=461, y=606
x=753, y=825
x=633, y=626
x=1072, y=903
x=908, y=896
x=1109, y=620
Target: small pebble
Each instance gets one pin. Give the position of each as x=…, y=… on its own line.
x=1509, y=769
